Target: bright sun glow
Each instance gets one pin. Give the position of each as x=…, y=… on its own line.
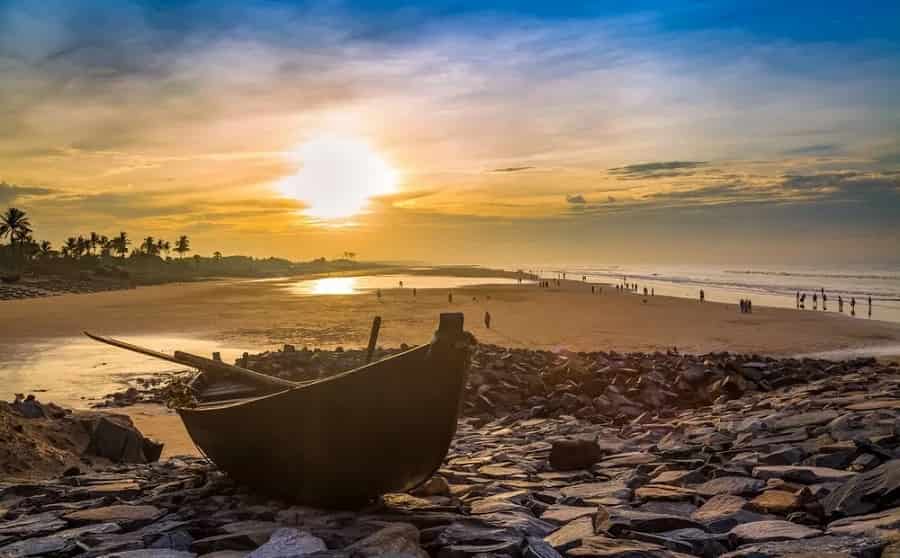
x=338, y=177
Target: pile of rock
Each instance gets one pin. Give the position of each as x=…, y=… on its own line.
x=811, y=469
x=303, y=364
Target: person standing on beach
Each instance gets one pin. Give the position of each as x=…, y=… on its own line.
x=702, y=295
x=487, y=320
x=824, y=302
x=852, y=305
x=450, y=297
x=414, y=291
x=870, y=306
x=798, y=299
x=749, y=306
x=378, y=294
x=840, y=304
x=815, y=300
x=652, y=292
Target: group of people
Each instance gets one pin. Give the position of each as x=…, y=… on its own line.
x=823, y=296
x=746, y=306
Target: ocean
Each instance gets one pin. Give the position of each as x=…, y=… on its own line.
x=765, y=286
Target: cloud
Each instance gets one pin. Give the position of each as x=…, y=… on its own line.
x=576, y=199
x=663, y=169
x=511, y=169
x=11, y=192
x=818, y=149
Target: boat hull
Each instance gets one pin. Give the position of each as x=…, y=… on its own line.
x=338, y=442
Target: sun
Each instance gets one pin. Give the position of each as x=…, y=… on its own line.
x=337, y=177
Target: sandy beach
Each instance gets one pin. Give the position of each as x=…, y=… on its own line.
x=264, y=313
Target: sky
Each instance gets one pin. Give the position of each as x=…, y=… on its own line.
x=486, y=132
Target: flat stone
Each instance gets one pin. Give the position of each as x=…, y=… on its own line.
x=874, y=405
x=730, y=485
x=398, y=539
x=771, y=530
x=722, y=513
x=561, y=514
x=872, y=524
x=571, y=534
x=664, y=492
x=595, y=492
x=605, y=547
x=819, y=547
x=288, y=542
x=32, y=525
x=866, y=492
x=803, y=419
x=776, y=501
x=678, y=477
x=536, y=548
x=125, y=515
x=618, y=520
x=150, y=553
x=802, y=474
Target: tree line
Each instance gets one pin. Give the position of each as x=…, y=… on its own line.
x=16, y=227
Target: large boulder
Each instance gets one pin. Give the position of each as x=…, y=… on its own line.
x=119, y=441
x=867, y=492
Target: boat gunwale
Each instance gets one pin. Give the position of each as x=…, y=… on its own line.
x=236, y=403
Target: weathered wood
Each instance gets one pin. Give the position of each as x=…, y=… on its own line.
x=201, y=363
x=373, y=338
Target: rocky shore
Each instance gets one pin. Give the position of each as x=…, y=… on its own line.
x=52, y=286
x=558, y=454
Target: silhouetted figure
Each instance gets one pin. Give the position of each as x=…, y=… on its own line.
x=592, y=289
x=378, y=294
x=450, y=297
x=852, y=305
x=840, y=304
x=798, y=299
x=414, y=291
x=652, y=293
x=645, y=291
x=702, y=295
x=749, y=306
x=743, y=307
x=870, y=306
x=401, y=284
x=824, y=302
x=487, y=320
x=815, y=301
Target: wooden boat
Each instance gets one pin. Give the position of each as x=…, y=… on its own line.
x=338, y=441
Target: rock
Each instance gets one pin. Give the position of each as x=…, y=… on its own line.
x=802, y=474
x=730, y=485
x=722, y=513
x=872, y=524
x=608, y=493
x=571, y=534
x=435, y=486
x=536, y=548
x=784, y=456
x=567, y=455
x=821, y=547
x=664, y=492
x=125, y=515
x=150, y=553
x=288, y=542
x=120, y=442
x=777, y=501
x=678, y=477
x=605, y=547
x=618, y=520
x=400, y=540
x=771, y=530
x=866, y=492
x=33, y=525
x=562, y=514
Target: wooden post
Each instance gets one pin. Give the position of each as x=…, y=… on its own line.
x=373, y=338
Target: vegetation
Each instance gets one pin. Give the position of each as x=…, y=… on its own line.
x=95, y=256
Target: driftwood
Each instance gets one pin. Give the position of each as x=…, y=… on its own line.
x=201, y=363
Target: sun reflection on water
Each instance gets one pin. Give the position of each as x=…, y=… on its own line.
x=333, y=286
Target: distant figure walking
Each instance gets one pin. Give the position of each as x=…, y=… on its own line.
x=824, y=302
x=840, y=304
x=798, y=299
x=743, y=306
x=414, y=291
x=702, y=295
x=652, y=292
x=401, y=284
x=645, y=291
x=749, y=306
x=450, y=297
x=815, y=301
x=592, y=289
x=870, y=306
x=378, y=294
x=487, y=320
x=852, y=305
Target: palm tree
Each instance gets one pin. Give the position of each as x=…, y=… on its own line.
x=149, y=246
x=92, y=242
x=71, y=247
x=82, y=246
x=182, y=245
x=217, y=255
x=15, y=224
x=163, y=246
x=45, y=249
x=121, y=244
x=105, y=245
